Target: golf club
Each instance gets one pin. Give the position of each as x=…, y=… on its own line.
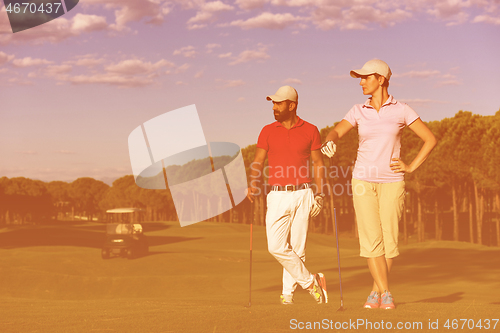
x=338, y=260
x=250, y=286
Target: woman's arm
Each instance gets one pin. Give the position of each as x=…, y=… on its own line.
x=424, y=133
x=329, y=148
x=339, y=131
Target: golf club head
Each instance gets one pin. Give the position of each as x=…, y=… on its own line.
x=248, y=306
x=341, y=309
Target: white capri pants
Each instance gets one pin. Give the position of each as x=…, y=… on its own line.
x=287, y=221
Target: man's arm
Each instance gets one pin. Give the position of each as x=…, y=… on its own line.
x=319, y=182
x=256, y=173
x=319, y=170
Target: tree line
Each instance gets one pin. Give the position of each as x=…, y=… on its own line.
x=454, y=195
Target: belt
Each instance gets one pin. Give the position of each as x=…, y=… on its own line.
x=291, y=187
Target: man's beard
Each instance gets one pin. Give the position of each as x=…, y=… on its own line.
x=282, y=116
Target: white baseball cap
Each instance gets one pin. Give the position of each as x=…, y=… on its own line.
x=371, y=67
x=284, y=93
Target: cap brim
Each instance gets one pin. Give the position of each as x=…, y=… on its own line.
x=275, y=98
x=360, y=72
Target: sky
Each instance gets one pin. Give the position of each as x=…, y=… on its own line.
x=73, y=89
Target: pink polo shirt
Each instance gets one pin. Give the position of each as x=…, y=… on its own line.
x=379, y=138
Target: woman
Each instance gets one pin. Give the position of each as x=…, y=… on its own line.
x=378, y=175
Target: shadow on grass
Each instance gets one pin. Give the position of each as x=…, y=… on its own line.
x=92, y=236
x=436, y=266
x=335, y=269
x=150, y=253
x=452, y=298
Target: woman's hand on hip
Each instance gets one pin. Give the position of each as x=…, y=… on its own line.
x=399, y=166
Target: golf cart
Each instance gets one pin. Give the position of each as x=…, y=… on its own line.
x=123, y=237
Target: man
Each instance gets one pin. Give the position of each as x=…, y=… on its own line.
x=288, y=143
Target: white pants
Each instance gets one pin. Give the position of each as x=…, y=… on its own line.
x=287, y=220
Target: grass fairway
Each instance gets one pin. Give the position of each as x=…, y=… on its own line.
x=52, y=279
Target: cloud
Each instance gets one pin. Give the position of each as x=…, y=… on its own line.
x=88, y=23
x=322, y=14
x=445, y=79
x=199, y=74
x=109, y=79
x=207, y=13
x=268, y=21
x=361, y=16
x=422, y=102
x=182, y=68
x=241, y=99
x=449, y=83
x=137, y=67
x=20, y=81
x=418, y=74
x=27, y=152
x=250, y=55
x=53, y=31
x=251, y=4
x=450, y=10
x=365, y=14
x=292, y=81
x=225, y=55
x=58, y=70
x=234, y=83
x=86, y=61
x=29, y=62
x=180, y=83
x=126, y=11
x=125, y=73
x=210, y=47
x=486, y=19
x=4, y=58
x=187, y=51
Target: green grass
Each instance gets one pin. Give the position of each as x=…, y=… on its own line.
x=52, y=279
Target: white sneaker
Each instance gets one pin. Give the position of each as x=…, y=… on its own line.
x=286, y=299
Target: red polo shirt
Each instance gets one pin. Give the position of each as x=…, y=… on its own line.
x=288, y=151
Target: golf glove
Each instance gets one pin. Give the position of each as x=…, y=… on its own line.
x=329, y=148
x=318, y=204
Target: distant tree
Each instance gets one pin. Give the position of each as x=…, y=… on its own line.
x=424, y=183
x=491, y=159
x=455, y=149
x=125, y=193
x=4, y=204
x=25, y=200
x=86, y=194
x=59, y=192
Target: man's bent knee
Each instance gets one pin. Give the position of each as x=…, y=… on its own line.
x=277, y=251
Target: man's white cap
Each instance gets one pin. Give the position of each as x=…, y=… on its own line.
x=371, y=67
x=284, y=93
